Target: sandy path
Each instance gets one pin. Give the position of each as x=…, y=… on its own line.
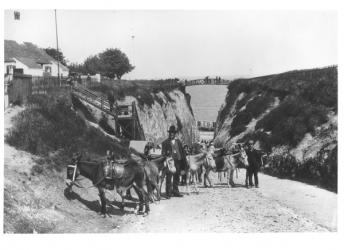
x=219, y=209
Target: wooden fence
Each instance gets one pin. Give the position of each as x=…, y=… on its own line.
x=21, y=86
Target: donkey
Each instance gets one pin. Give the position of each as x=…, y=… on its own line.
x=156, y=170
x=226, y=163
x=195, y=164
x=125, y=176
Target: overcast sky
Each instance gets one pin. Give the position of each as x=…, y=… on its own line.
x=188, y=43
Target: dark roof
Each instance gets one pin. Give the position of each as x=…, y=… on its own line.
x=10, y=60
x=27, y=53
x=31, y=63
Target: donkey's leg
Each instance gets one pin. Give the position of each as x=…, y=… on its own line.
x=206, y=172
x=188, y=173
x=139, y=194
x=128, y=195
x=158, y=189
x=228, y=177
x=161, y=180
x=209, y=178
x=144, y=200
x=231, y=178
x=150, y=191
x=102, y=201
x=121, y=206
x=195, y=184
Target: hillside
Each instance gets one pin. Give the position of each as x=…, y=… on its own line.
x=40, y=139
x=292, y=116
x=159, y=104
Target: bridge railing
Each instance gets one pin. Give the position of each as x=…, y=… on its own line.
x=208, y=81
x=206, y=125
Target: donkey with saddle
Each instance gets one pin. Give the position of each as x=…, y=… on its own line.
x=122, y=175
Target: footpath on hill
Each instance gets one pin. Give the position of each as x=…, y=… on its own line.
x=38, y=204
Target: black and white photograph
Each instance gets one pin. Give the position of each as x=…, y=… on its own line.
x=182, y=121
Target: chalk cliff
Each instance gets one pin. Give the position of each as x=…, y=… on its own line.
x=292, y=116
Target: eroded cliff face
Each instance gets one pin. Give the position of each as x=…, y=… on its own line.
x=169, y=108
x=292, y=116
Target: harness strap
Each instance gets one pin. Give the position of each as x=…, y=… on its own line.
x=74, y=171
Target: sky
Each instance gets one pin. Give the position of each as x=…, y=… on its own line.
x=191, y=44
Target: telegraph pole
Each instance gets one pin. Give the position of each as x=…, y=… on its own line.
x=57, y=48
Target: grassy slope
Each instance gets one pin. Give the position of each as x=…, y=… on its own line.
x=142, y=90
x=306, y=98
x=39, y=145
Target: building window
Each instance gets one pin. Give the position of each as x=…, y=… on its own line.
x=47, y=69
x=9, y=69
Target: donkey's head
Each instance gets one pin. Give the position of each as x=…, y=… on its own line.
x=210, y=161
x=72, y=170
x=243, y=157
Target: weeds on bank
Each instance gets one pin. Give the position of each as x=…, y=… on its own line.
x=48, y=127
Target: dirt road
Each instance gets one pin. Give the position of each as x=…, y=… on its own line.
x=222, y=209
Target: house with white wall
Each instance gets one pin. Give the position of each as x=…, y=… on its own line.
x=28, y=59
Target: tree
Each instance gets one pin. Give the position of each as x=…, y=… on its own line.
x=76, y=68
x=56, y=55
x=92, y=65
x=114, y=63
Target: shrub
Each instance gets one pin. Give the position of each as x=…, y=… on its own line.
x=49, y=125
x=103, y=123
x=140, y=89
x=320, y=170
x=291, y=120
x=239, y=122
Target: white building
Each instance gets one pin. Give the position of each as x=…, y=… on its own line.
x=28, y=59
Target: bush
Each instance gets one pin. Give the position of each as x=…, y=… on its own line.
x=140, y=89
x=320, y=170
x=103, y=123
x=49, y=125
x=239, y=122
x=291, y=120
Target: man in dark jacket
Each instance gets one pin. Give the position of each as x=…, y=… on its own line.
x=172, y=147
x=254, y=158
x=111, y=100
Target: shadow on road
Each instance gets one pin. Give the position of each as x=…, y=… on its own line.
x=95, y=205
x=224, y=185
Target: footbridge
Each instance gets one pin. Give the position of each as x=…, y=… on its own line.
x=125, y=114
x=206, y=125
x=207, y=81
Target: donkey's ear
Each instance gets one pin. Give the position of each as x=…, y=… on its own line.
x=78, y=156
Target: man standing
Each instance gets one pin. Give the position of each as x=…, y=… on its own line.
x=172, y=147
x=254, y=161
x=111, y=99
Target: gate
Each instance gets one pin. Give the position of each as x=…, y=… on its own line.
x=19, y=89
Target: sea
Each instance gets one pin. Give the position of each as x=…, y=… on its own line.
x=206, y=101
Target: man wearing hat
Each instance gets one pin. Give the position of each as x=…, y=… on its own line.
x=173, y=147
x=254, y=161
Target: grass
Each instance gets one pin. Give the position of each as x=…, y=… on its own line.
x=48, y=127
x=320, y=170
x=253, y=109
x=142, y=90
x=306, y=97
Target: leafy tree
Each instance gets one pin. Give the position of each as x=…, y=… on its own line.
x=92, y=65
x=57, y=55
x=114, y=63
x=77, y=68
